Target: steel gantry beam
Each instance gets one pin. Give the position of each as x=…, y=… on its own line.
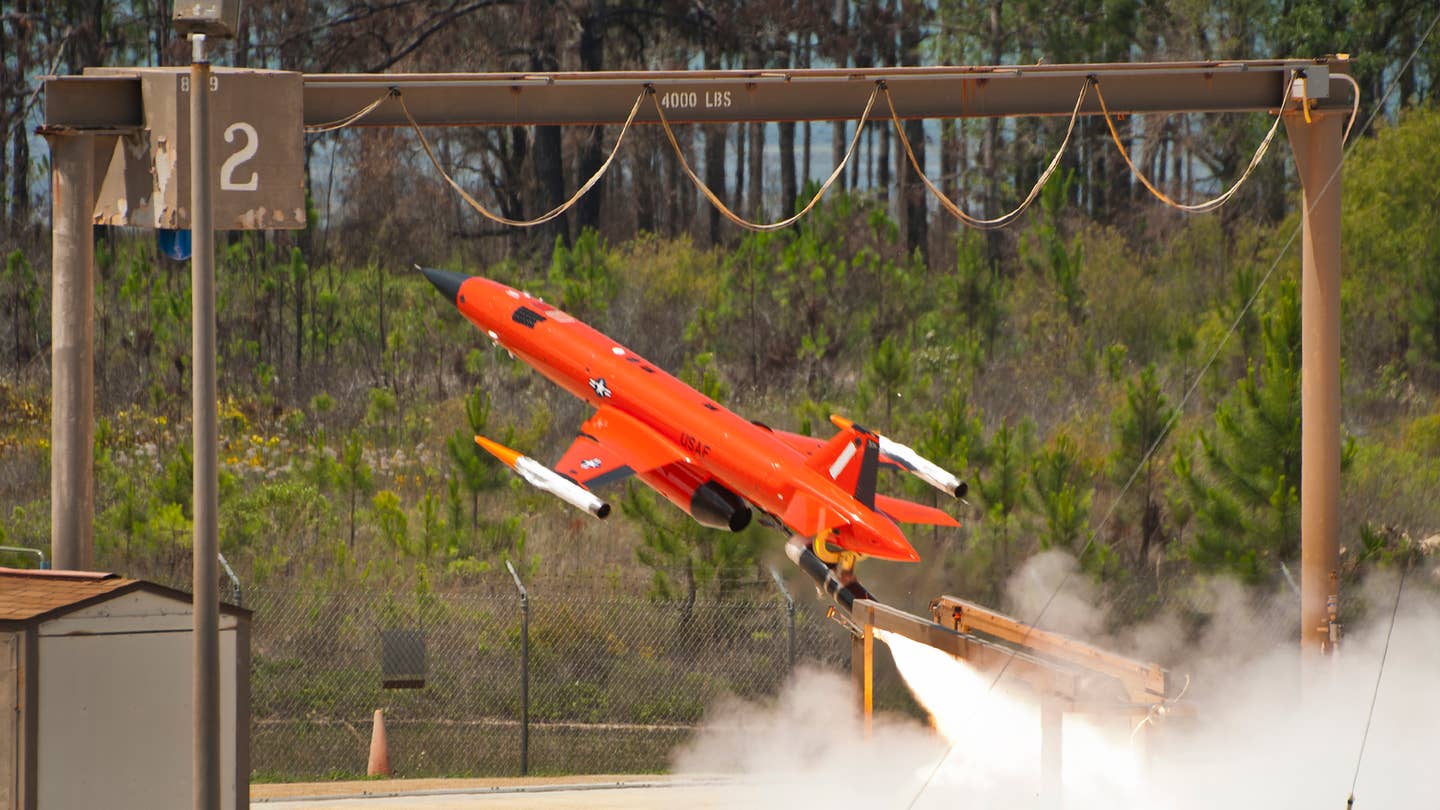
x=111, y=100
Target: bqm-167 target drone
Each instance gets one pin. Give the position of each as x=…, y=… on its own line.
x=717, y=466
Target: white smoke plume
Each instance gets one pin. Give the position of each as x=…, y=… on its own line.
x=1260, y=732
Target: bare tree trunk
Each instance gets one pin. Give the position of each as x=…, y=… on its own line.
x=300, y=324
x=738, y=201
x=646, y=192
x=868, y=150
x=916, y=213
x=805, y=156
x=714, y=178
x=805, y=62
x=755, y=204
x=550, y=173
x=86, y=34
x=1407, y=80
x=5, y=115
x=20, y=178
x=989, y=154
x=682, y=207
x=838, y=139
x=948, y=143
x=885, y=56
x=549, y=163
x=788, y=191
x=786, y=135
x=20, y=143
x=714, y=161
x=592, y=58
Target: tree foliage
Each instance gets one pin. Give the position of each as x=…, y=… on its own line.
x=1033, y=361
x=1244, y=484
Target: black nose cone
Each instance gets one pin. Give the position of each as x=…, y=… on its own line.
x=446, y=282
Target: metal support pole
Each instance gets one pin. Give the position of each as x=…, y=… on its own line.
x=862, y=670
x=857, y=668
x=790, y=630
x=1051, y=745
x=72, y=353
x=869, y=643
x=524, y=672
x=205, y=491
x=238, y=592
x=1317, y=146
x=789, y=618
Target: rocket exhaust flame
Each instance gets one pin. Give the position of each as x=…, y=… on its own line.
x=1257, y=740
x=995, y=736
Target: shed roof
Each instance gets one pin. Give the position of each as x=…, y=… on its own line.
x=29, y=595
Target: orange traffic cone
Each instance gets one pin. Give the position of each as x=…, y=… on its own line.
x=379, y=749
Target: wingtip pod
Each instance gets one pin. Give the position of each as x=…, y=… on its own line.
x=507, y=456
x=543, y=478
x=924, y=469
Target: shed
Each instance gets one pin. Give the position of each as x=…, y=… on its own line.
x=96, y=693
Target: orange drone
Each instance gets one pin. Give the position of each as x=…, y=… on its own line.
x=717, y=466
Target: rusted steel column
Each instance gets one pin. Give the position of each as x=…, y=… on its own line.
x=72, y=354
x=1317, y=148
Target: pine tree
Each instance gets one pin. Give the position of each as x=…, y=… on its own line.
x=1002, y=484
x=354, y=476
x=1244, y=487
x=472, y=466
x=1061, y=493
x=887, y=373
x=1140, y=425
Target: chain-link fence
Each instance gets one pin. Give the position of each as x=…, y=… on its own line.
x=564, y=681
x=607, y=685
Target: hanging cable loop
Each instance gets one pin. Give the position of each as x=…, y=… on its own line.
x=1354, y=103
x=355, y=117
x=726, y=211
x=1005, y=219
x=548, y=215
x=1208, y=205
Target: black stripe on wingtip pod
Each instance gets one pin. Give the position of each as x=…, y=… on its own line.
x=607, y=477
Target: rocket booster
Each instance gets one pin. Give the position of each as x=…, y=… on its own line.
x=914, y=463
x=825, y=577
x=543, y=478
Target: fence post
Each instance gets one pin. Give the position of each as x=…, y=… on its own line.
x=234, y=580
x=789, y=614
x=524, y=672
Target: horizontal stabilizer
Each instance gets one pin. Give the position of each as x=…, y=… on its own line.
x=910, y=512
